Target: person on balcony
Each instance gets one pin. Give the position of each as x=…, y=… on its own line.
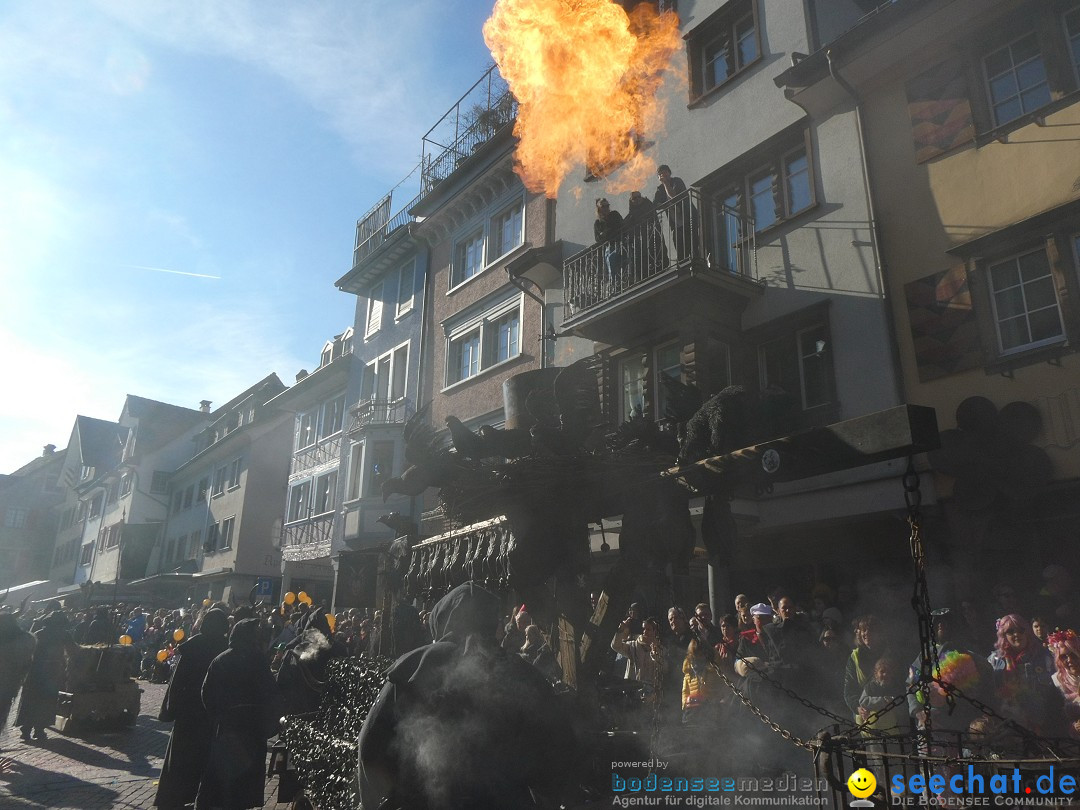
x=681, y=214
x=607, y=229
x=648, y=254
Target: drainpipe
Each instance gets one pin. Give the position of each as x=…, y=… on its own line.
x=875, y=233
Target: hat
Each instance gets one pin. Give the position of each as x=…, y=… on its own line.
x=832, y=615
x=761, y=609
x=940, y=613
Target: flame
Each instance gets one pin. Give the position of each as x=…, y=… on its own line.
x=585, y=74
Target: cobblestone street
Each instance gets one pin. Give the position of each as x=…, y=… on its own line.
x=113, y=769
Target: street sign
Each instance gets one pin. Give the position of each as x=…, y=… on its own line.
x=264, y=588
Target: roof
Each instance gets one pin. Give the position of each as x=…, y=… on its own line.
x=814, y=68
x=100, y=443
x=271, y=384
x=158, y=422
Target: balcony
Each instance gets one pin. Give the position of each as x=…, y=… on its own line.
x=374, y=412
x=693, y=249
x=476, y=118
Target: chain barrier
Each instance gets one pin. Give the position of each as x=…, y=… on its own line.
x=764, y=718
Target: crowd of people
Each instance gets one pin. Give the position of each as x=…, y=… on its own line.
x=232, y=672
x=1014, y=662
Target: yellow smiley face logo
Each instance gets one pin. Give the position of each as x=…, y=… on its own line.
x=861, y=783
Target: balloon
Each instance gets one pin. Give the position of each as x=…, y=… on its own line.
x=178, y=634
x=162, y=655
x=206, y=603
x=290, y=597
x=125, y=639
x=331, y=620
x=303, y=597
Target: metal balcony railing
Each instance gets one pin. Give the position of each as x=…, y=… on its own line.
x=375, y=227
x=691, y=230
x=475, y=118
x=381, y=412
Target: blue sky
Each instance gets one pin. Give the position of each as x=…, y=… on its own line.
x=232, y=139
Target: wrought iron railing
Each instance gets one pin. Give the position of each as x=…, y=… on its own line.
x=381, y=412
x=691, y=230
x=475, y=118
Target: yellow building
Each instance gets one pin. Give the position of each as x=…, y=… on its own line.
x=969, y=134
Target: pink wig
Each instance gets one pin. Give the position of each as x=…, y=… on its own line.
x=1061, y=642
x=1007, y=623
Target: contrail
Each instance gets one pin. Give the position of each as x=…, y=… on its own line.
x=166, y=270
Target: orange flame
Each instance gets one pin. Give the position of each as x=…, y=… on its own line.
x=585, y=74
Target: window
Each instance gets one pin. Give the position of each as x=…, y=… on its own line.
x=333, y=417
x=1025, y=304
x=399, y=371
x=213, y=532
x=193, y=544
x=234, y=474
x=307, y=423
x=464, y=357
x=380, y=464
x=1016, y=79
x=219, y=480
x=204, y=485
x=87, y=554
x=95, y=507
x=86, y=473
x=169, y=551
x=299, y=496
x=1072, y=33
x=325, y=493
x=82, y=511
x=225, y=537
x=385, y=377
x=356, y=472
x=112, y=535
x=16, y=517
x=189, y=496
x=374, y=312
x=775, y=189
x=669, y=363
x=798, y=363
x=506, y=230
x=113, y=493
x=632, y=381
x=67, y=520
x=159, y=483
x=468, y=258
x=723, y=46
x=406, y=297
x=482, y=341
x=125, y=484
x=177, y=502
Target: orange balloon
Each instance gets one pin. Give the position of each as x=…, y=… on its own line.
x=303, y=597
x=178, y=634
x=290, y=597
x=331, y=620
x=205, y=602
x=162, y=655
x=125, y=639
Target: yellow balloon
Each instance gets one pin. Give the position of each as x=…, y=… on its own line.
x=178, y=634
x=290, y=597
x=125, y=639
x=331, y=620
x=303, y=597
x=162, y=655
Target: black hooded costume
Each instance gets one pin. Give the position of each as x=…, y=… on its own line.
x=301, y=678
x=37, y=709
x=16, y=652
x=189, y=743
x=241, y=699
x=462, y=724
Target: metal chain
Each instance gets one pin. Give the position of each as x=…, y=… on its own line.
x=792, y=694
x=920, y=597
x=760, y=715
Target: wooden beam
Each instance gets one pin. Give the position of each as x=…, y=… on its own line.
x=879, y=436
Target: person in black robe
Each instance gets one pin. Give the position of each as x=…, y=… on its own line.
x=302, y=676
x=241, y=699
x=16, y=653
x=463, y=723
x=37, y=709
x=189, y=743
x=102, y=629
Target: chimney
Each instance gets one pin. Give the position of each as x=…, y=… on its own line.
x=49, y=450
x=301, y=374
x=204, y=406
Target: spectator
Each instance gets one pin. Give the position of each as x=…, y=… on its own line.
x=1023, y=669
x=681, y=213
x=608, y=229
x=643, y=656
x=742, y=611
x=1065, y=645
x=955, y=665
x=538, y=652
x=754, y=650
x=702, y=626
x=16, y=653
x=515, y=629
x=869, y=646
x=699, y=681
x=883, y=688
x=37, y=709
